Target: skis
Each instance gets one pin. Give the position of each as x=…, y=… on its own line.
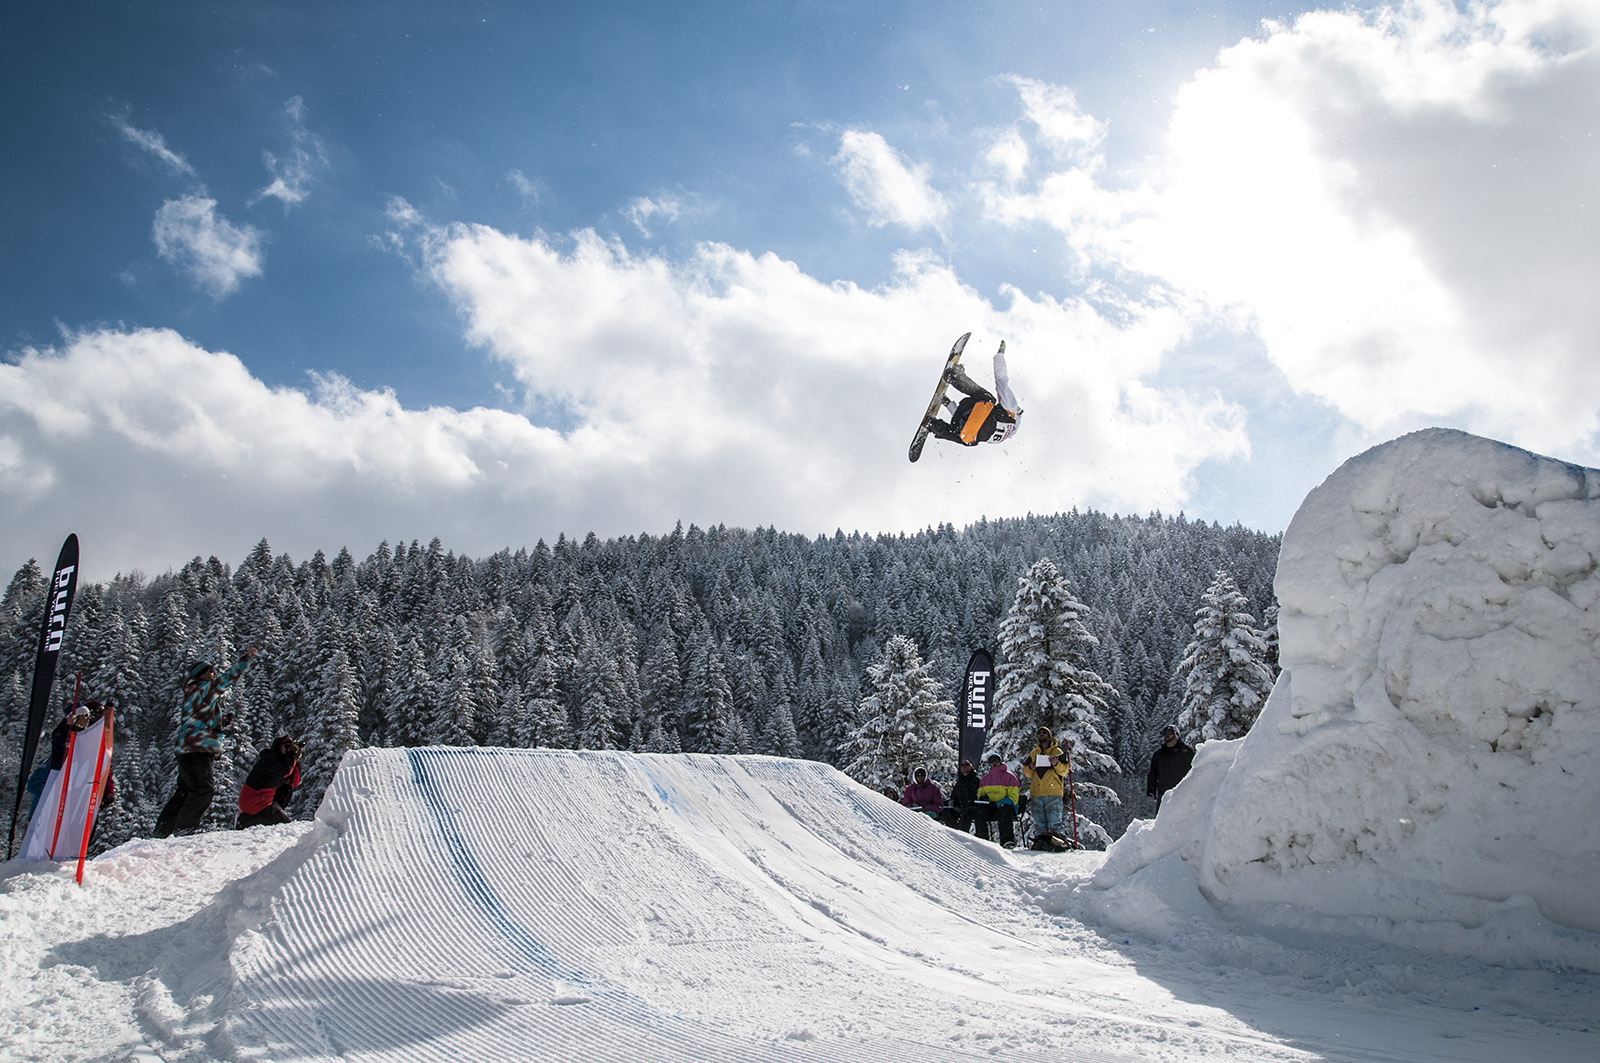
x=938, y=396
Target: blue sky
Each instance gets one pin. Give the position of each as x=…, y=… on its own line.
x=339, y=273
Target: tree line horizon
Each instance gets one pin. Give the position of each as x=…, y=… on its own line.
x=720, y=640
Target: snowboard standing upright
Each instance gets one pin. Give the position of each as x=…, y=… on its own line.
x=938, y=397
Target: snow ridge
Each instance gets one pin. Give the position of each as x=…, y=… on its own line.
x=1425, y=769
x=472, y=903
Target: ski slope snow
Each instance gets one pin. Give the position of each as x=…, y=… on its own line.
x=486, y=904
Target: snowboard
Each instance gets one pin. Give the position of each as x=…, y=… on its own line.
x=932, y=413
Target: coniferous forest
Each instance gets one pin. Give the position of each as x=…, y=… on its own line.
x=720, y=640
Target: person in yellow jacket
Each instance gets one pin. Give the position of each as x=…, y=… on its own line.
x=1046, y=769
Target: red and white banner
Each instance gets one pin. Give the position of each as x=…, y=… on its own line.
x=62, y=820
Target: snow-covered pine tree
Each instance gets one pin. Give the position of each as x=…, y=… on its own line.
x=411, y=695
x=334, y=720
x=904, y=723
x=1225, y=675
x=1046, y=681
x=708, y=700
x=545, y=721
x=597, y=684
x=661, y=690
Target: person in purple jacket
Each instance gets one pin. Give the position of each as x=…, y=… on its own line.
x=924, y=795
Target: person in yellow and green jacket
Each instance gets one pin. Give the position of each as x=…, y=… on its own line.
x=997, y=802
x=1046, y=769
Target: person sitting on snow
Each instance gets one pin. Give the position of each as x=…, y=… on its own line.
x=963, y=808
x=270, y=784
x=980, y=417
x=997, y=801
x=924, y=795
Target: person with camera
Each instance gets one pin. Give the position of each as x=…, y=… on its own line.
x=270, y=784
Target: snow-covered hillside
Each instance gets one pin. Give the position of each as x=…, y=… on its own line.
x=477, y=904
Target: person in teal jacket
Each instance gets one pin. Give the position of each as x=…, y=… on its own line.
x=199, y=742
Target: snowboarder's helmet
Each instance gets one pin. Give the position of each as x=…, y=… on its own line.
x=198, y=669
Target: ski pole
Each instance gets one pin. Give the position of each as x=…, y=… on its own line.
x=1072, y=797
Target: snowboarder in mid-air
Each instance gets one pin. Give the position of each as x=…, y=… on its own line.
x=980, y=417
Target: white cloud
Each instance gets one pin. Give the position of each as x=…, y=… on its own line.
x=726, y=388
x=294, y=173
x=154, y=144
x=1054, y=110
x=215, y=253
x=168, y=447
x=642, y=209
x=526, y=187
x=1400, y=204
x=883, y=184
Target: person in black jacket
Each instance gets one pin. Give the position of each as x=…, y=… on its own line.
x=963, y=799
x=1168, y=765
x=270, y=784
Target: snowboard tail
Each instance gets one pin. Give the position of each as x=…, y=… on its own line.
x=926, y=426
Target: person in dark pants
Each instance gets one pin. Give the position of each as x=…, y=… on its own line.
x=1168, y=765
x=997, y=801
x=963, y=806
x=264, y=797
x=199, y=742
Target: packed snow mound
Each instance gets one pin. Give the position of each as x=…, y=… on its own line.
x=518, y=904
x=1430, y=755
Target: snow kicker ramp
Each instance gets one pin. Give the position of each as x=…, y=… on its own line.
x=534, y=904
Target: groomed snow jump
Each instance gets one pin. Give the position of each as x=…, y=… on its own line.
x=513, y=904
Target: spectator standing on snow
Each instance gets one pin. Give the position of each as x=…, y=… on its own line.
x=963, y=798
x=1047, y=773
x=924, y=794
x=199, y=742
x=1168, y=765
x=264, y=797
x=998, y=794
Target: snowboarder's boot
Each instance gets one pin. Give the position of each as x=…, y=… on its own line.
x=957, y=378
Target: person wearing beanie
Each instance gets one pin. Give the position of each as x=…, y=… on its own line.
x=266, y=791
x=1046, y=770
x=997, y=801
x=199, y=742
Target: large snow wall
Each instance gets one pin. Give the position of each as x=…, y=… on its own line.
x=1431, y=751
